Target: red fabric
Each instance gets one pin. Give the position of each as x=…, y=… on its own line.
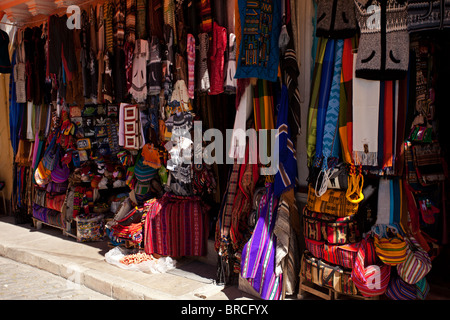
x=176, y=226
x=216, y=59
x=388, y=124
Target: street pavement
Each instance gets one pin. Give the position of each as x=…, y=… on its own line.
x=19, y=281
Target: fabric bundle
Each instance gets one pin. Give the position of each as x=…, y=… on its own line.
x=175, y=226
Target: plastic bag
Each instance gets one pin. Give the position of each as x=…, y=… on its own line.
x=160, y=265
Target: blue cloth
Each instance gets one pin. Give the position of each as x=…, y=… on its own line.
x=330, y=145
x=258, y=50
x=287, y=162
x=324, y=94
x=15, y=110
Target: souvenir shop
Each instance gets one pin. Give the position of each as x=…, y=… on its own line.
x=104, y=104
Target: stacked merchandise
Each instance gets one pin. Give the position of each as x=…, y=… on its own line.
x=358, y=132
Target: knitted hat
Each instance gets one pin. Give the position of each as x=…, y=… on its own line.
x=336, y=21
x=143, y=172
x=60, y=173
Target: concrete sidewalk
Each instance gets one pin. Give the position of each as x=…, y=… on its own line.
x=50, y=250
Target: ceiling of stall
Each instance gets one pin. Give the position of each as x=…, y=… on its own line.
x=22, y=12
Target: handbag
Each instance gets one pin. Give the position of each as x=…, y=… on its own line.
x=371, y=279
x=50, y=157
x=389, y=245
x=333, y=202
x=328, y=228
x=422, y=289
x=400, y=290
x=55, y=202
x=326, y=275
x=343, y=255
x=429, y=164
x=417, y=263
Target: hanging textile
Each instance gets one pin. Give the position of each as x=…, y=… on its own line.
x=286, y=176
x=175, y=226
x=259, y=52
x=366, y=98
x=324, y=95
x=330, y=147
x=258, y=255
x=314, y=102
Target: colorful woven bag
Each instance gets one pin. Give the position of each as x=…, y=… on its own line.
x=389, y=245
x=400, y=290
x=422, y=289
x=370, y=279
x=417, y=263
x=332, y=202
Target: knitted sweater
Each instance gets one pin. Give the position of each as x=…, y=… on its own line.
x=428, y=15
x=336, y=19
x=383, y=52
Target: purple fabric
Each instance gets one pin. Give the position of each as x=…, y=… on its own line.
x=258, y=255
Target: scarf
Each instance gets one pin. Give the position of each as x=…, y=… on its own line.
x=365, y=111
x=330, y=146
x=287, y=166
x=325, y=86
x=345, y=110
x=313, y=105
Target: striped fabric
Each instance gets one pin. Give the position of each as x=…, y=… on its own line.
x=343, y=255
x=314, y=101
x=175, y=226
x=206, y=24
x=119, y=23
x=326, y=80
x=417, y=263
x=258, y=255
x=370, y=279
x=109, y=36
x=330, y=143
x=422, y=289
x=391, y=251
x=191, y=64
x=130, y=21
x=332, y=202
x=400, y=290
x=224, y=222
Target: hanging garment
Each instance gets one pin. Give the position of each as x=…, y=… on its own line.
x=286, y=176
x=336, y=19
x=191, y=64
x=141, y=55
x=366, y=105
x=259, y=55
x=175, y=226
x=238, y=138
x=324, y=95
x=258, y=255
x=203, y=82
x=383, y=51
x=230, y=82
x=155, y=20
x=119, y=23
x=290, y=73
x=345, y=110
x=155, y=67
x=331, y=146
x=169, y=17
x=216, y=59
x=314, y=102
x=206, y=22
x=5, y=62
x=19, y=69
x=130, y=21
